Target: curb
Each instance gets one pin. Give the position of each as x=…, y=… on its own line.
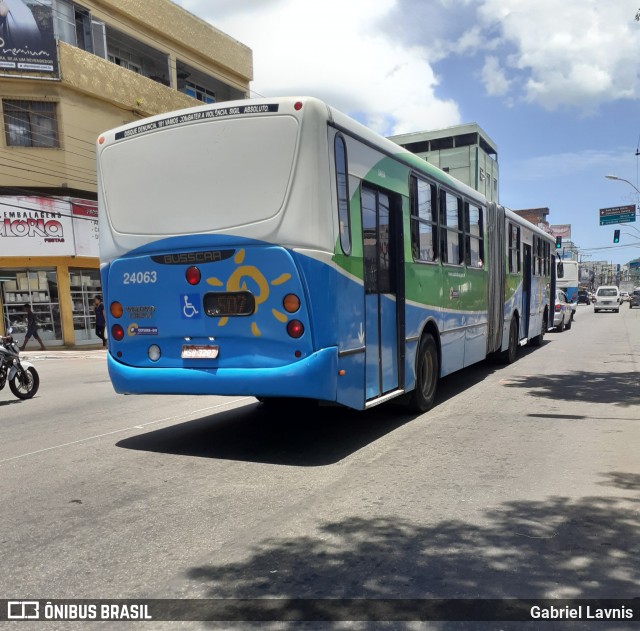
x=70, y=354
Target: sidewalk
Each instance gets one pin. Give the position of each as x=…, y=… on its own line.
x=57, y=352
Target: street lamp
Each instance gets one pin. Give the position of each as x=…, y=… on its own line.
x=621, y=179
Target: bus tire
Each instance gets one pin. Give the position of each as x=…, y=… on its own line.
x=510, y=355
x=537, y=340
x=427, y=372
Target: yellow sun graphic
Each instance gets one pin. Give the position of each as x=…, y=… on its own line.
x=237, y=282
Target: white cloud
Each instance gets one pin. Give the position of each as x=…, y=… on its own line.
x=335, y=50
x=376, y=59
x=494, y=78
x=579, y=53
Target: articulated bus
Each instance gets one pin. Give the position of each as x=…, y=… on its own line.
x=278, y=248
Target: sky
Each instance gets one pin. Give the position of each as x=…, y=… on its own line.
x=555, y=84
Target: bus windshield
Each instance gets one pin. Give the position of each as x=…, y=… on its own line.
x=207, y=190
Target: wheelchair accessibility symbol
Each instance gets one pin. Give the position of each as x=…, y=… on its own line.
x=188, y=304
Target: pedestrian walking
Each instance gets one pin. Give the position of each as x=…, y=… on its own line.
x=32, y=329
x=98, y=309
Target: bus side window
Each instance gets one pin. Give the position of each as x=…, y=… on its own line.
x=452, y=225
x=514, y=248
x=424, y=229
x=473, y=230
x=547, y=256
x=342, y=184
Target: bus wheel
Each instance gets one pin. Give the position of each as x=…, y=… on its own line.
x=427, y=372
x=537, y=340
x=509, y=356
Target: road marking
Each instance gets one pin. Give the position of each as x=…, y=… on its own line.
x=126, y=429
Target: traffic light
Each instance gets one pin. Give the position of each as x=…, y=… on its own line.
x=616, y=236
x=559, y=242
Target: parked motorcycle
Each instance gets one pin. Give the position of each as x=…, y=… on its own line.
x=23, y=378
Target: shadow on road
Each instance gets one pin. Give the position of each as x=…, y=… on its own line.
x=557, y=548
x=619, y=389
x=288, y=437
x=11, y=402
x=295, y=435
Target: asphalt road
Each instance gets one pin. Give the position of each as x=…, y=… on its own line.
x=522, y=482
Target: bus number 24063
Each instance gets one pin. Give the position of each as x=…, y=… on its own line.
x=139, y=278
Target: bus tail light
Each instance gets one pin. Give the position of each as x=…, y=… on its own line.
x=295, y=328
x=193, y=275
x=291, y=303
x=116, y=309
x=117, y=332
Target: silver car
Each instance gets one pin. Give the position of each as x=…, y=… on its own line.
x=562, y=313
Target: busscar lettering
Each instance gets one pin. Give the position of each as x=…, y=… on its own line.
x=205, y=256
x=193, y=257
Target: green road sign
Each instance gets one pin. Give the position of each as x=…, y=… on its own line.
x=617, y=214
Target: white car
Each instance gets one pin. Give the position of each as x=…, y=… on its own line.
x=607, y=298
x=624, y=296
x=562, y=313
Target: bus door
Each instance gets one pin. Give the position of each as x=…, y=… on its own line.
x=526, y=290
x=383, y=292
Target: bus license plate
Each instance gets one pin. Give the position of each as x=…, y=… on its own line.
x=199, y=352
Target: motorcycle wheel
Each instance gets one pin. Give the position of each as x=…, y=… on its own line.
x=26, y=385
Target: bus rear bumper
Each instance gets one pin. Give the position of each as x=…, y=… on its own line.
x=314, y=377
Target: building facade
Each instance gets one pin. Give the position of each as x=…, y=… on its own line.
x=464, y=151
x=69, y=71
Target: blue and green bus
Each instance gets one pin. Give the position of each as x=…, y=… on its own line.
x=278, y=248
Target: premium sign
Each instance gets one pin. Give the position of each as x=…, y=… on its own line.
x=27, y=43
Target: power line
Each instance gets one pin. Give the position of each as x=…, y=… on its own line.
x=52, y=171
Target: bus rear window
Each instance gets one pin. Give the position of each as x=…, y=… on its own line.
x=179, y=181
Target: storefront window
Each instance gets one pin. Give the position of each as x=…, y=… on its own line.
x=39, y=288
x=85, y=286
